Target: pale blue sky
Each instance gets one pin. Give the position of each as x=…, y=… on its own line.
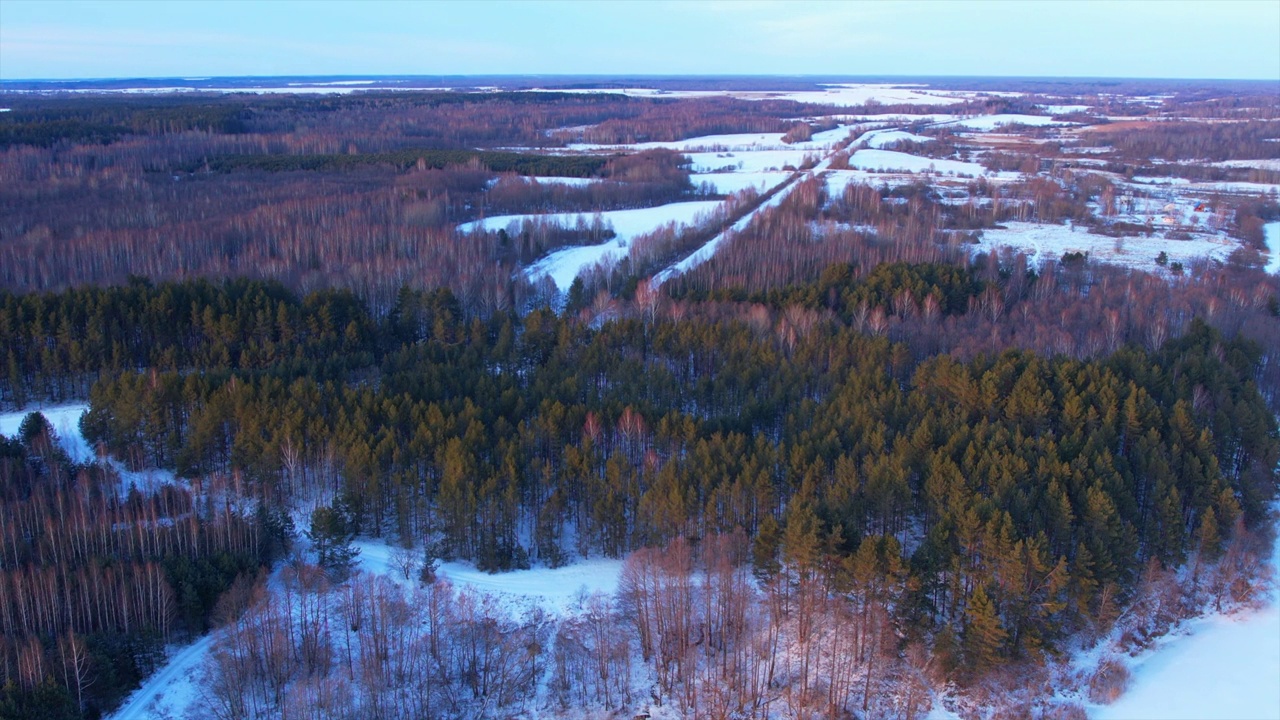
x=108, y=38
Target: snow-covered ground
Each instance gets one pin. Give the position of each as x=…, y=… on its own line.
x=1224, y=667
x=991, y=122
x=727, y=183
x=1263, y=164
x=879, y=139
x=846, y=94
x=170, y=690
x=1272, y=234
x=891, y=161
x=1063, y=109
x=564, y=265
x=1050, y=242
x=545, y=180
x=734, y=142
x=65, y=420
x=554, y=589
x=838, y=180
x=751, y=161
x=704, y=253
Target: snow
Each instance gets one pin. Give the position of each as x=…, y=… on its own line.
x=172, y=689
x=862, y=93
x=1225, y=666
x=65, y=420
x=1050, y=242
x=1063, y=109
x=546, y=180
x=554, y=589
x=839, y=94
x=564, y=265
x=727, y=183
x=895, y=161
x=704, y=253
x=838, y=180
x=991, y=122
x=1262, y=164
x=1271, y=231
x=750, y=161
x=735, y=142
x=881, y=138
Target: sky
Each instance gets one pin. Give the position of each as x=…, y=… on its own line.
x=53, y=39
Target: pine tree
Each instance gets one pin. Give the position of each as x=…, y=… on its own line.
x=984, y=636
x=331, y=537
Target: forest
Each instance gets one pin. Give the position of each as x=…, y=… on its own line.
x=848, y=460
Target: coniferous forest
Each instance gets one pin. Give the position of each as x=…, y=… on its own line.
x=849, y=463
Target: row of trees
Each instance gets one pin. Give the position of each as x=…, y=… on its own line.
x=506, y=442
x=96, y=578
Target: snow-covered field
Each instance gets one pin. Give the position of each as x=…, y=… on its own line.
x=879, y=139
x=564, y=265
x=727, y=183
x=554, y=589
x=891, y=161
x=846, y=94
x=734, y=142
x=65, y=420
x=1223, y=667
x=751, y=161
x=1265, y=164
x=1049, y=242
x=991, y=122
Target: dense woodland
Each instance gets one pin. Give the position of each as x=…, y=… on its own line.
x=847, y=461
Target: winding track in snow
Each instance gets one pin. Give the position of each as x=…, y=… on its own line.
x=185, y=662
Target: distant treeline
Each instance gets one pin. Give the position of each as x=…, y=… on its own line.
x=581, y=166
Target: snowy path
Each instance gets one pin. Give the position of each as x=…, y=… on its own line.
x=171, y=689
x=708, y=249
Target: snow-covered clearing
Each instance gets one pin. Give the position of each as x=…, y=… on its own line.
x=891, y=161
x=1219, y=666
x=1063, y=109
x=727, y=183
x=991, y=122
x=65, y=420
x=1050, y=242
x=880, y=139
x=554, y=589
x=734, y=142
x=838, y=94
x=564, y=265
x=545, y=180
x=751, y=161
x=1262, y=164
x=1271, y=231
x=838, y=180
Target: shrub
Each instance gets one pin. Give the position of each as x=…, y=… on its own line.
x=1108, y=682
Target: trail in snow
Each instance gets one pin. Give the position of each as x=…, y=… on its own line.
x=708, y=249
x=170, y=690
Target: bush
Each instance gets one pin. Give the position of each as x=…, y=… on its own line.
x=1108, y=682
